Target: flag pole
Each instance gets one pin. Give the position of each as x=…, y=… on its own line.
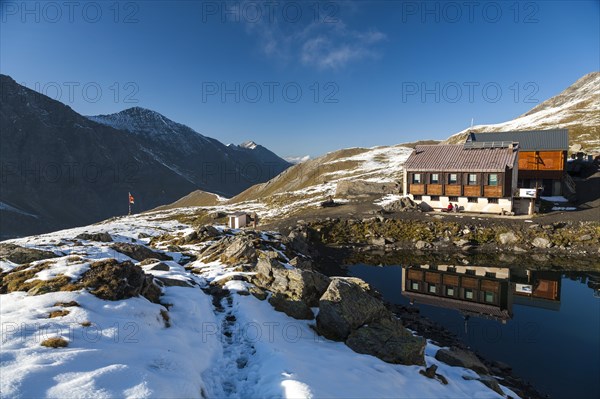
x=129, y=202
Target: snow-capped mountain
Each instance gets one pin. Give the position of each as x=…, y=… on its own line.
x=61, y=169
x=297, y=160
x=577, y=108
x=211, y=166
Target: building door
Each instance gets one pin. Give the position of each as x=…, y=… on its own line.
x=547, y=184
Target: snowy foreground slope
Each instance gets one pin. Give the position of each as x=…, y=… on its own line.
x=186, y=346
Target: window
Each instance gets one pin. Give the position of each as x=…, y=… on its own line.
x=417, y=197
x=453, y=199
x=435, y=197
x=472, y=179
x=435, y=178
x=450, y=291
x=416, y=179
x=492, y=200
x=451, y=269
x=453, y=178
x=472, y=199
x=470, y=272
x=432, y=288
x=493, y=179
x=489, y=297
x=468, y=293
x=490, y=274
x=414, y=286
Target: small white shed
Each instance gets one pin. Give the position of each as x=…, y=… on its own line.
x=237, y=220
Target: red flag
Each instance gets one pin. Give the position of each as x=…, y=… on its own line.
x=130, y=198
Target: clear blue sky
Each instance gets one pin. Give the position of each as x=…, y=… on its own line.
x=190, y=59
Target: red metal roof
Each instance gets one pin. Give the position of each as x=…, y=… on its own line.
x=457, y=158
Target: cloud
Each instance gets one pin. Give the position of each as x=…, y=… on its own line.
x=325, y=46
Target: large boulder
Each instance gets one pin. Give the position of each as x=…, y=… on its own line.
x=21, y=255
x=388, y=340
x=111, y=280
x=293, y=308
x=239, y=250
x=462, y=358
x=138, y=252
x=347, y=304
x=305, y=286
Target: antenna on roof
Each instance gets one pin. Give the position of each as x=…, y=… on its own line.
x=472, y=123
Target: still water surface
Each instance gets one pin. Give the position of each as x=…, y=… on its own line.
x=546, y=325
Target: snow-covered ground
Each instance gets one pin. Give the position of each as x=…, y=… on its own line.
x=126, y=349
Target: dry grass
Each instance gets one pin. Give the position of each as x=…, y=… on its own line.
x=58, y=313
x=56, y=342
x=66, y=304
x=166, y=318
x=86, y=323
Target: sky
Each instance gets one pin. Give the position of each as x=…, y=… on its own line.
x=303, y=77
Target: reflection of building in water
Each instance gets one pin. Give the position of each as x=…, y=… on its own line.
x=480, y=291
x=536, y=288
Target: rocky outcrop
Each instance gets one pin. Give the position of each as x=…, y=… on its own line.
x=345, y=306
x=356, y=188
x=293, y=308
x=21, y=255
x=100, y=237
x=111, y=280
x=459, y=357
x=240, y=250
x=138, y=252
x=350, y=311
x=301, y=289
x=388, y=340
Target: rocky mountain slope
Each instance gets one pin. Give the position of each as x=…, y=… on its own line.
x=145, y=307
x=60, y=169
x=344, y=175
x=577, y=108
x=203, y=161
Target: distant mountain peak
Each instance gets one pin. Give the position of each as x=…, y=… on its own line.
x=249, y=145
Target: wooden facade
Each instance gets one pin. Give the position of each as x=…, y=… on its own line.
x=462, y=186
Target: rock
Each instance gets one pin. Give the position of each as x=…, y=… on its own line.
x=459, y=357
x=173, y=282
x=378, y=241
x=430, y=371
x=111, y=280
x=491, y=383
x=293, y=308
x=302, y=263
x=519, y=249
x=540, y=242
x=258, y=293
x=466, y=231
x=585, y=237
x=240, y=250
x=100, y=237
x=298, y=241
x=461, y=242
x=207, y=232
x=138, y=252
x=508, y=238
x=388, y=340
x=296, y=284
x=161, y=267
x=149, y=261
x=21, y=255
x=346, y=305
x=422, y=244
